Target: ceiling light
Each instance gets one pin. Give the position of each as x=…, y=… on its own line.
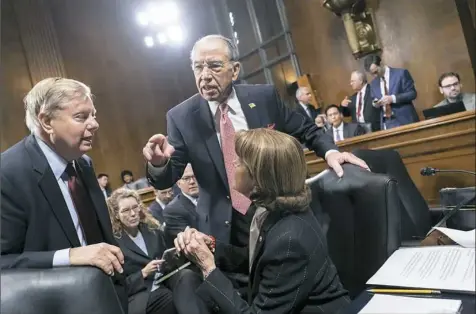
x=175, y=33
x=149, y=41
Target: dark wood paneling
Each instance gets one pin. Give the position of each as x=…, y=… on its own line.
x=134, y=86
x=444, y=143
x=424, y=36
x=15, y=79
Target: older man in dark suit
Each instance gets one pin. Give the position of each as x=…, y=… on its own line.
x=53, y=212
x=201, y=132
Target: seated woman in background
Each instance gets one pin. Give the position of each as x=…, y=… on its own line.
x=142, y=243
x=290, y=270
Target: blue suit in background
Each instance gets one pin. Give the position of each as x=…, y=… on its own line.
x=401, y=85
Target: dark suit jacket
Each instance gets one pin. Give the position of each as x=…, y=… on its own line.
x=371, y=114
x=291, y=272
x=157, y=211
x=35, y=219
x=350, y=130
x=138, y=288
x=179, y=214
x=401, y=85
x=314, y=111
x=191, y=130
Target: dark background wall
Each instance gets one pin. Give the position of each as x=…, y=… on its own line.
x=102, y=46
x=424, y=36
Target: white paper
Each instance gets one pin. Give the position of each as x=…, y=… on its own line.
x=449, y=268
x=390, y=304
x=463, y=238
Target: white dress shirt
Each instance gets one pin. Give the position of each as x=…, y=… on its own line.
x=382, y=86
x=360, y=118
x=162, y=204
x=194, y=200
x=58, y=166
x=339, y=130
x=236, y=115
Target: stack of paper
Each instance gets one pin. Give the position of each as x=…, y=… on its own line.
x=389, y=304
x=449, y=268
x=463, y=238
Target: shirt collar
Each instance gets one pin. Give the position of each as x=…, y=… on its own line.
x=232, y=101
x=162, y=204
x=192, y=199
x=363, y=89
x=340, y=127
x=57, y=163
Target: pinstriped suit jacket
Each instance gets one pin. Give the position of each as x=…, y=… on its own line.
x=291, y=272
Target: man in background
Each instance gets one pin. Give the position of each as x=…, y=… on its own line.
x=128, y=179
x=359, y=105
x=103, y=181
x=393, y=91
x=450, y=87
x=341, y=130
x=182, y=211
x=162, y=198
x=53, y=212
x=304, y=107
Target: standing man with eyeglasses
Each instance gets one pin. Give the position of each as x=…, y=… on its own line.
x=450, y=87
x=393, y=91
x=201, y=132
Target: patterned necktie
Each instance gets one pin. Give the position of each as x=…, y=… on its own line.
x=359, y=107
x=84, y=207
x=387, y=109
x=337, y=135
x=227, y=136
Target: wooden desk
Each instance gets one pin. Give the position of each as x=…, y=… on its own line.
x=446, y=143
x=147, y=195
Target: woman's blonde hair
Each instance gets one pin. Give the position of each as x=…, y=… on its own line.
x=277, y=167
x=144, y=216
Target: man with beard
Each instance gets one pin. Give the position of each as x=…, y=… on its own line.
x=162, y=198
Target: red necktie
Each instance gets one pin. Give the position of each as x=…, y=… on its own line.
x=227, y=136
x=84, y=207
x=359, y=107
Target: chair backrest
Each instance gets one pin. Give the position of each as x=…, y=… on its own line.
x=364, y=227
x=367, y=127
x=65, y=290
x=416, y=218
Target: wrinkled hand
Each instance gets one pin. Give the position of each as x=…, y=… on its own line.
x=385, y=100
x=185, y=237
x=345, y=102
x=151, y=267
x=107, y=257
x=199, y=253
x=336, y=159
x=157, y=151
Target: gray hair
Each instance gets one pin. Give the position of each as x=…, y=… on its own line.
x=299, y=91
x=50, y=95
x=361, y=75
x=233, y=54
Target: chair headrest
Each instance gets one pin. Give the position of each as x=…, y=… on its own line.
x=65, y=290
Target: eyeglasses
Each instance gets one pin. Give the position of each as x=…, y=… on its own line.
x=127, y=211
x=188, y=179
x=456, y=84
x=214, y=66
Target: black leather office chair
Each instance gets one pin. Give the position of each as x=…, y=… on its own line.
x=367, y=127
x=364, y=226
x=416, y=217
x=65, y=290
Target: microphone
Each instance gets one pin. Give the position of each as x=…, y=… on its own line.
x=429, y=171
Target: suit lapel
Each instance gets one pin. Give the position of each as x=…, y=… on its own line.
x=250, y=109
x=151, y=241
x=206, y=128
x=51, y=190
x=86, y=173
x=392, y=81
x=269, y=222
x=132, y=246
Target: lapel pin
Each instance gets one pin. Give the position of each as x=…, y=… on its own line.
x=252, y=105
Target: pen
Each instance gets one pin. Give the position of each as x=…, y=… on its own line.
x=404, y=291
